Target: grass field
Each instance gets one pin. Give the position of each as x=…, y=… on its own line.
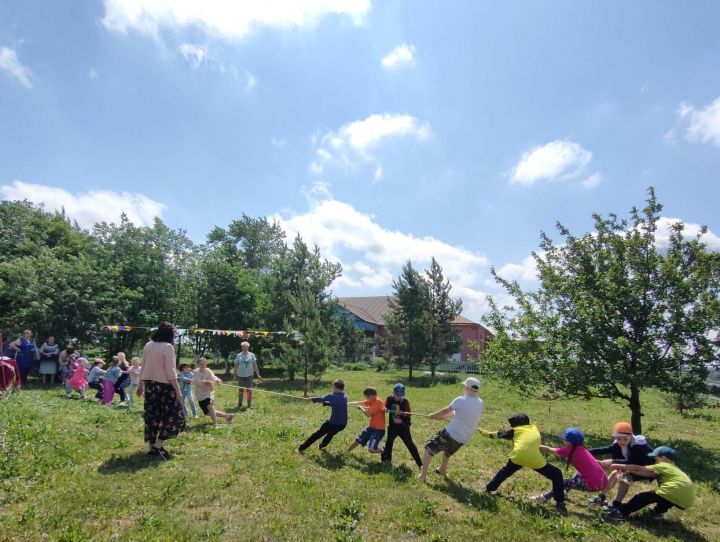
x=73, y=470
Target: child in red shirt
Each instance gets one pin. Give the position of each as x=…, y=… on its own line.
x=373, y=408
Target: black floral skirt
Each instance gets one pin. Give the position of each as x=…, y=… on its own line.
x=164, y=417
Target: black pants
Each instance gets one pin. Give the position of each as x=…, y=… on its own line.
x=641, y=500
x=97, y=385
x=551, y=472
x=402, y=431
x=327, y=430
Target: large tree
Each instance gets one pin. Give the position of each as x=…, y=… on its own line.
x=443, y=310
x=299, y=289
x=409, y=321
x=617, y=311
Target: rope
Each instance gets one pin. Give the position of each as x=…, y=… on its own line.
x=306, y=398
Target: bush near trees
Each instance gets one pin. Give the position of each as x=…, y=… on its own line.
x=616, y=312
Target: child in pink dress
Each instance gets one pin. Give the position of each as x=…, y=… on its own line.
x=78, y=381
x=590, y=476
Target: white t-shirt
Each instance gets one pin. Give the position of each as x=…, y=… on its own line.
x=468, y=411
x=203, y=380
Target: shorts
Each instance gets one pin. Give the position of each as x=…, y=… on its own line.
x=443, y=442
x=205, y=404
x=371, y=437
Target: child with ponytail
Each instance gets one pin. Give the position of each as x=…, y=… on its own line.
x=589, y=475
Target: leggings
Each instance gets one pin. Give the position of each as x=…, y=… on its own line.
x=402, y=431
x=551, y=472
x=327, y=430
x=641, y=500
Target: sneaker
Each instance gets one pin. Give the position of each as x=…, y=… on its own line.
x=540, y=498
x=616, y=515
x=300, y=451
x=229, y=419
x=122, y=403
x=654, y=513
x=560, y=508
x=597, y=499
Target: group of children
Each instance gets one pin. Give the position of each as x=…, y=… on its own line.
x=121, y=378
x=631, y=458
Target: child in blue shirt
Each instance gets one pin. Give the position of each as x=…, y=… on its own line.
x=185, y=378
x=338, y=403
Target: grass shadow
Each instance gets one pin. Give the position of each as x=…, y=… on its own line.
x=329, y=461
x=129, y=463
x=468, y=496
x=665, y=528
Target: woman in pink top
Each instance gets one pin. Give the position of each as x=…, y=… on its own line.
x=590, y=476
x=164, y=418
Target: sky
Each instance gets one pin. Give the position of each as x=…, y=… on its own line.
x=380, y=131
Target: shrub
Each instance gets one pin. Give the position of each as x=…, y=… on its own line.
x=354, y=366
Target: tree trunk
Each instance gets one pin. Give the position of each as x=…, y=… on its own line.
x=410, y=371
x=636, y=416
x=305, y=380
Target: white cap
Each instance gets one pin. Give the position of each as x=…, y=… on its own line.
x=472, y=383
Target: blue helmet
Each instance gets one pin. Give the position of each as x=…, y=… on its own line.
x=574, y=436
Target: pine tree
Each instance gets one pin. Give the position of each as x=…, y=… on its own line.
x=443, y=310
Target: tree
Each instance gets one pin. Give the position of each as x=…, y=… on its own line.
x=615, y=313
x=354, y=345
x=409, y=321
x=443, y=310
x=254, y=242
x=299, y=284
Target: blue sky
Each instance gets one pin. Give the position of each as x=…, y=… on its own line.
x=382, y=131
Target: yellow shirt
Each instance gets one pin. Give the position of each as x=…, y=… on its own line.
x=675, y=485
x=526, y=447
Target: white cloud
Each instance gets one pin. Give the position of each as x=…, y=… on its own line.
x=250, y=81
x=359, y=139
x=403, y=54
x=225, y=19
x=557, y=160
x=703, y=125
x=592, y=181
x=12, y=65
x=278, y=143
x=89, y=207
x=372, y=255
x=194, y=54
x=525, y=272
x=93, y=74
x=379, y=174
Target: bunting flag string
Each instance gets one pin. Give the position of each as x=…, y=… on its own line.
x=241, y=333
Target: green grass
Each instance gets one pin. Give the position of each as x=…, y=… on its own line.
x=74, y=471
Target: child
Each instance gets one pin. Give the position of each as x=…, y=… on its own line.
x=589, y=476
x=338, y=403
x=78, y=381
x=186, y=379
x=374, y=409
x=399, y=424
x=676, y=488
x=134, y=376
x=205, y=380
x=95, y=377
x=625, y=449
x=66, y=373
x=112, y=376
x=122, y=383
x=464, y=413
x=526, y=453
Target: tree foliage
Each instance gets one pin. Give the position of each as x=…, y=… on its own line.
x=615, y=312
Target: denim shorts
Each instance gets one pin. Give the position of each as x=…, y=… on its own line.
x=371, y=436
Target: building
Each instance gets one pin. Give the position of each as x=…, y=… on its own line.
x=370, y=314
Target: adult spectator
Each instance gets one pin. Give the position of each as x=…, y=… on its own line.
x=245, y=368
x=25, y=354
x=49, y=356
x=164, y=417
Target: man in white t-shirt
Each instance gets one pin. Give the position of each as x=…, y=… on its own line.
x=464, y=413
